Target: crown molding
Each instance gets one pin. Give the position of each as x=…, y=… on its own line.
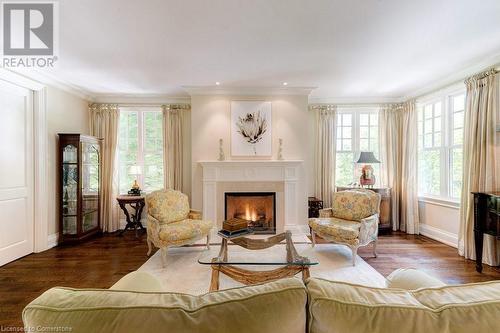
x=20, y=80
x=247, y=91
x=52, y=80
x=455, y=78
x=375, y=100
x=153, y=99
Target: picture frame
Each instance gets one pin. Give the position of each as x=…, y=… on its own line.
x=251, y=128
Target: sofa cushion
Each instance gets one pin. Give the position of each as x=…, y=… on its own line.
x=138, y=281
x=278, y=307
x=355, y=205
x=182, y=231
x=344, y=307
x=167, y=206
x=411, y=279
x=342, y=230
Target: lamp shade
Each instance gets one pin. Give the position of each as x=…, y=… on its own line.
x=367, y=157
x=134, y=170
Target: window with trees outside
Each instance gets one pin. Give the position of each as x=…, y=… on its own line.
x=357, y=131
x=440, y=139
x=140, y=144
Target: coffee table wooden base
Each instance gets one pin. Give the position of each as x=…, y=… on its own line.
x=248, y=277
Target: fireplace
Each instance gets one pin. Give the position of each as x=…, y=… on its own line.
x=258, y=208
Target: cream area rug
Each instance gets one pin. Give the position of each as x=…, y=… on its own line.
x=183, y=273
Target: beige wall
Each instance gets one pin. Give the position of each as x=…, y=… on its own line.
x=291, y=121
x=439, y=221
x=66, y=113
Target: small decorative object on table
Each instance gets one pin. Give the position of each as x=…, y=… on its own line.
x=367, y=176
x=234, y=225
x=135, y=170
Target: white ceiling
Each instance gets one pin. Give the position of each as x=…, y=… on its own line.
x=347, y=49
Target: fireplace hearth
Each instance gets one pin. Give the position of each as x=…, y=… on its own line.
x=258, y=208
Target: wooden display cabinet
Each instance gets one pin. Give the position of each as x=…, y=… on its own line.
x=79, y=187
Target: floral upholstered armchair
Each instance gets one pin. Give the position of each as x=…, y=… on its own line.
x=353, y=220
x=171, y=223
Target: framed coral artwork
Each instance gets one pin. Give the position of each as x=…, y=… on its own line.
x=251, y=128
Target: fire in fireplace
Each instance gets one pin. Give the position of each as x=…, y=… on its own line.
x=258, y=208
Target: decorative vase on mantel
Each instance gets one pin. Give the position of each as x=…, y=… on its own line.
x=280, y=149
x=222, y=156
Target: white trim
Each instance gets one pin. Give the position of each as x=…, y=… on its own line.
x=248, y=91
x=454, y=89
x=52, y=240
x=19, y=80
x=40, y=141
x=131, y=99
x=439, y=235
x=438, y=201
x=45, y=78
x=455, y=78
x=41, y=172
x=356, y=101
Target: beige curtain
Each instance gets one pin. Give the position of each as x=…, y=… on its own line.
x=104, y=125
x=173, y=146
x=325, y=153
x=398, y=154
x=480, y=166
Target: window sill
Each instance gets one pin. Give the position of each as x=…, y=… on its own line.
x=440, y=201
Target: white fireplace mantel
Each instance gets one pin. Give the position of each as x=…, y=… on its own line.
x=286, y=171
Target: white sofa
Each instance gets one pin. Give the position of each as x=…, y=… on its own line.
x=137, y=304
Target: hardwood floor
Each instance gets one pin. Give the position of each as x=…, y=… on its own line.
x=100, y=262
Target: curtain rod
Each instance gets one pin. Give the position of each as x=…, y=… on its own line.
x=159, y=105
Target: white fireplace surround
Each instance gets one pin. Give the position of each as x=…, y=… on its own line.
x=254, y=176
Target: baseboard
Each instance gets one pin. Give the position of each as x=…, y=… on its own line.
x=52, y=240
x=440, y=235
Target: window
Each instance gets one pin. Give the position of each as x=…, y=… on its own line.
x=456, y=149
x=440, y=138
x=429, y=162
x=357, y=130
x=141, y=144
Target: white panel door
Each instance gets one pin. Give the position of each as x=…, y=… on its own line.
x=16, y=172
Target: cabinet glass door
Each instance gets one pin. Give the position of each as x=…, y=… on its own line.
x=70, y=189
x=90, y=186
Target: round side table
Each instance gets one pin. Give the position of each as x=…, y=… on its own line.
x=137, y=203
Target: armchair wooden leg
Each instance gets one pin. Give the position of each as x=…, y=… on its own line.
x=163, y=252
x=208, y=241
x=149, y=246
x=354, y=254
x=375, y=248
x=313, y=237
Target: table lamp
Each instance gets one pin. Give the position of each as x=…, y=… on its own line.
x=135, y=170
x=367, y=176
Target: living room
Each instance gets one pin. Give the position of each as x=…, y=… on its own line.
x=203, y=165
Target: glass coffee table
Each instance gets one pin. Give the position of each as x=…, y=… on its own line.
x=283, y=255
